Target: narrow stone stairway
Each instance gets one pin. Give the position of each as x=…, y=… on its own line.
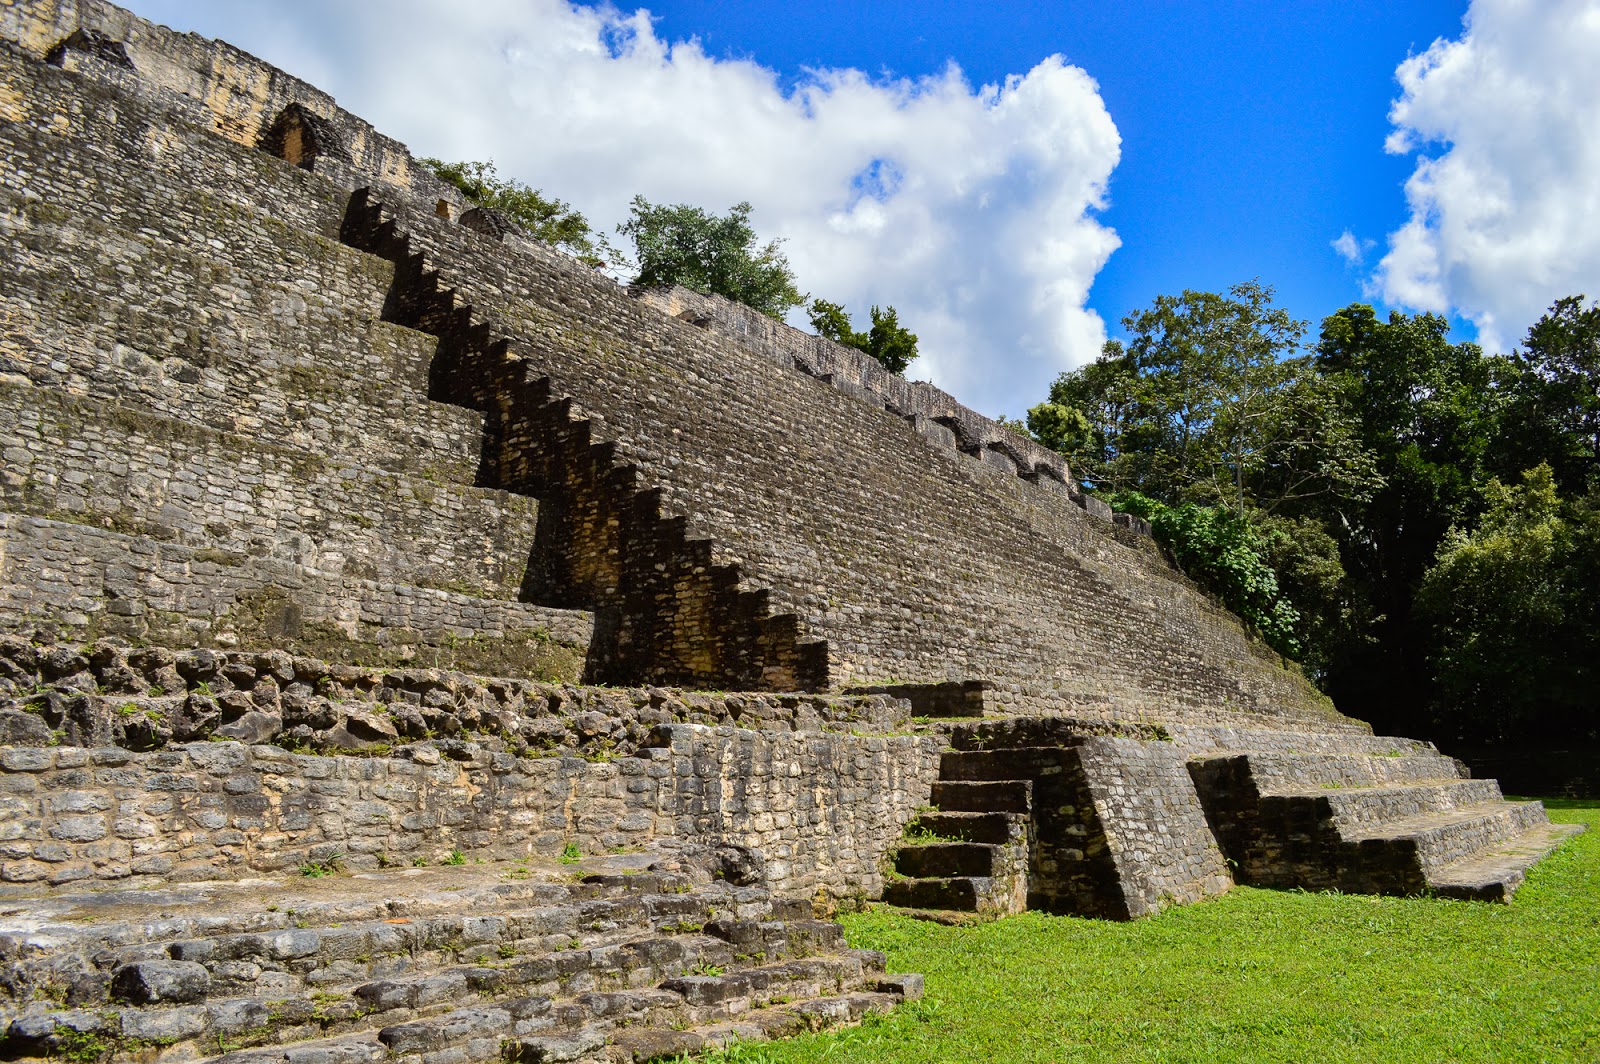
x=433, y=966
x=1091, y=818
x=1391, y=816
x=971, y=855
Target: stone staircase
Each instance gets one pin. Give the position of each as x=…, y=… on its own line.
x=1056, y=814
x=971, y=855
x=1067, y=816
x=681, y=616
x=1390, y=816
x=476, y=963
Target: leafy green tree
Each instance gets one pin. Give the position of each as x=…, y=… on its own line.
x=1092, y=417
x=1208, y=401
x=1553, y=405
x=1427, y=410
x=546, y=219
x=832, y=323
x=1305, y=558
x=890, y=343
x=713, y=255
x=1511, y=620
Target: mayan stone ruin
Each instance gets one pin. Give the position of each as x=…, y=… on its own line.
x=416, y=646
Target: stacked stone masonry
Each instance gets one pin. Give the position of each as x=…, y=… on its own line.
x=324, y=495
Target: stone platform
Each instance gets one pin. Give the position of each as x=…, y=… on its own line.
x=631, y=957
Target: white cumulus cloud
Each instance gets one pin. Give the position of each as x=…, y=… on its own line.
x=1350, y=249
x=1506, y=190
x=971, y=209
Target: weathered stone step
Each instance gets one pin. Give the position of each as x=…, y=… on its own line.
x=58, y=576
x=109, y=464
x=70, y=921
x=1353, y=809
x=998, y=796
x=716, y=997
x=1206, y=740
x=1495, y=873
x=351, y=1049
x=313, y=955
x=1444, y=838
x=1283, y=772
x=641, y=1044
x=294, y=957
x=246, y=1022
x=960, y=893
x=785, y=936
x=540, y=1027
x=995, y=829
x=602, y=984
x=942, y=859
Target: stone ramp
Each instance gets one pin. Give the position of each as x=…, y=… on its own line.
x=526, y=960
x=1385, y=816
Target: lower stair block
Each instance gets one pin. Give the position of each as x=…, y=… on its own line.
x=641, y=1044
x=998, y=796
x=357, y=1049
x=1287, y=772
x=1443, y=838
x=960, y=893
x=717, y=997
x=1405, y=835
x=1495, y=874
x=583, y=1044
x=947, y=859
x=1354, y=808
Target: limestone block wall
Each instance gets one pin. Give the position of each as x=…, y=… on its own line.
x=209, y=437
x=218, y=301
x=861, y=376
x=99, y=463
x=67, y=580
x=821, y=807
x=226, y=90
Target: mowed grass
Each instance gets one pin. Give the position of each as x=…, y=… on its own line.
x=1256, y=975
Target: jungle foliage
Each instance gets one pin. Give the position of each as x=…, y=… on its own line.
x=1416, y=521
x=711, y=254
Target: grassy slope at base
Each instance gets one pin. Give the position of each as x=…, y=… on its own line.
x=1255, y=975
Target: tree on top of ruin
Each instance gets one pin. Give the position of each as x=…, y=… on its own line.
x=711, y=254
x=890, y=343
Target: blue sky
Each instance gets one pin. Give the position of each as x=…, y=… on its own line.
x=1015, y=179
x=1252, y=133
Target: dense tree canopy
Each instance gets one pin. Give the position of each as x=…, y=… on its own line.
x=1350, y=500
x=686, y=245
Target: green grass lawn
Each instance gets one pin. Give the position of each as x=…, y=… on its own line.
x=1256, y=975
